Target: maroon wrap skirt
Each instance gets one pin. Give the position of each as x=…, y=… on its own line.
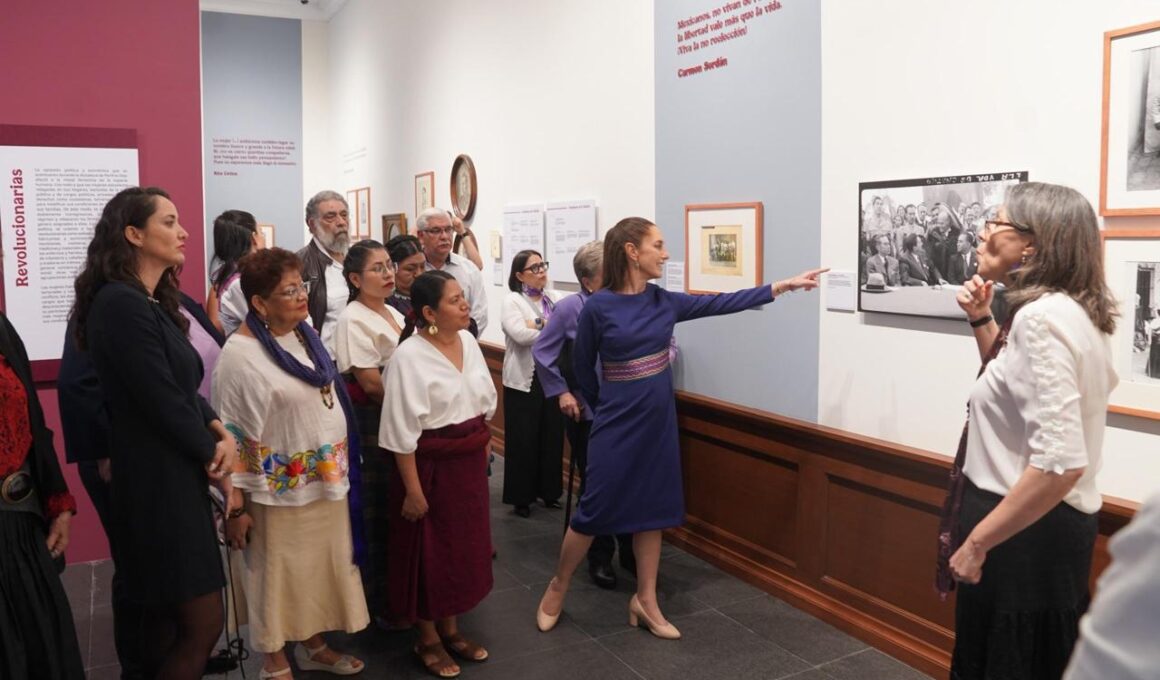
x=440, y=565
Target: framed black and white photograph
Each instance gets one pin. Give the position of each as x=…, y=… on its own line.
x=1130, y=139
x=917, y=240
x=1132, y=261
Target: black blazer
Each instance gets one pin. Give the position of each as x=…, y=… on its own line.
x=42, y=460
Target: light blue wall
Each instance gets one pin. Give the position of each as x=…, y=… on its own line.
x=750, y=131
x=252, y=89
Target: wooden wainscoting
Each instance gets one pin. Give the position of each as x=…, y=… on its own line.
x=839, y=525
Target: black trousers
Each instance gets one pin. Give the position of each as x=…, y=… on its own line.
x=533, y=431
x=127, y=614
x=603, y=547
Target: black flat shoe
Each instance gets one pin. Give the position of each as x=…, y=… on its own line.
x=552, y=505
x=524, y=510
x=603, y=575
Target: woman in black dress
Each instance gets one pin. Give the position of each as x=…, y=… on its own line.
x=167, y=443
x=37, y=637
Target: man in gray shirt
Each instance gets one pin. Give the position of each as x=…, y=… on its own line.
x=437, y=236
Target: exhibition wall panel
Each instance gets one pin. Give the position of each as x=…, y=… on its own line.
x=252, y=85
x=738, y=92
x=936, y=89
x=114, y=64
x=552, y=101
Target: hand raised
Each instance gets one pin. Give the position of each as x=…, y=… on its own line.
x=975, y=297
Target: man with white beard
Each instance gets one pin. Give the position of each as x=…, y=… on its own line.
x=328, y=218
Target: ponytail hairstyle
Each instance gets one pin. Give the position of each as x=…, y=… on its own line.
x=233, y=239
x=616, y=266
x=518, y=263
x=112, y=258
x=403, y=246
x=356, y=261
x=426, y=291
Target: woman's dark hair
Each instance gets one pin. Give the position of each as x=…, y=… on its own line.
x=403, y=246
x=356, y=261
x=629, y=230
x=112, y=258
x=233, y=238
x=263, y=270
x=518, y=263
x=426, y=291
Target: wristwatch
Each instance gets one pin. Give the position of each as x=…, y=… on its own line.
x=539, y=323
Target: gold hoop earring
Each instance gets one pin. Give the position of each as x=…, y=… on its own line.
x=432, y=330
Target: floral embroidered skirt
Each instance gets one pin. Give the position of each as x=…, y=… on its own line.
x=300, y=578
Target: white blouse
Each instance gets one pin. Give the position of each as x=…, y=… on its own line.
x=363, y=338
x=232, y=307
x=1043, y=402
x=518, y=366
x=292, y=448
x=425, y=392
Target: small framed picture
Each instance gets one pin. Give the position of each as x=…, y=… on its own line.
x=424, y=191
x=352, y=213
x=1132, y=267
x=394, y=224
x=363, y=219
x=722, y=247
x=267, y=231
x=1130, y=135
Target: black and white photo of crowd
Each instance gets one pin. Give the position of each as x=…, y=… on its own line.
x=1146, y=323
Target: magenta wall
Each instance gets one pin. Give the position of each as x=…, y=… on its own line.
x=113, y=64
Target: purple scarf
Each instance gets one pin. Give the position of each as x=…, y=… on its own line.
x=324, y=373
x=546, y=305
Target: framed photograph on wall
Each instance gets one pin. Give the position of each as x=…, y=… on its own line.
x=424, y=191
x=362, y=221
x=917, y=240
x=1132, y=267
x=267, y=231
x=1130, y=134
x=352, y=213
x=394, y=224
x=722, y=247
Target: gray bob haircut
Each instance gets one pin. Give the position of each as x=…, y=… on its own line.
x=317, y=199
x=421, y=220
x=588, y=260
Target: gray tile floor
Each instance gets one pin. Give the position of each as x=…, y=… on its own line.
x=730, y=629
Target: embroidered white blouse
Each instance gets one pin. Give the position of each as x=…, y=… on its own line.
x=518, y=310
x=1043, y=402
x=426, y=392
x=363, y=338
x=292, y=448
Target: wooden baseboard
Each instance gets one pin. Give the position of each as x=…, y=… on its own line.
x=836, y=524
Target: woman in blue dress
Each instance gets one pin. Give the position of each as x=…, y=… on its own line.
x=634, y=464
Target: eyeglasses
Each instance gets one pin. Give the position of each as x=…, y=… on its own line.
x=436, y=231
x=992, y=226
x=537, y=268
x=381, y=269
x=293, y=292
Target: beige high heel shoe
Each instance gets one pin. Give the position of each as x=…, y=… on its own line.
x=545, y=621
x=636, y=613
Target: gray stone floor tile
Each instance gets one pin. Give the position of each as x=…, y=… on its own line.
x=696, y=577
x=583, y=661
x=871, y=665
x=815, y=641
x=712, y=646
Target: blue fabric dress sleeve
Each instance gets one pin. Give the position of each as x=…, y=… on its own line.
x=585, y=351
x=696, y=306
x=549, y=344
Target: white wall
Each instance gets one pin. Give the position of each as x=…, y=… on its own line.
x=319, y=164
x=552, y=100
x=938, y=88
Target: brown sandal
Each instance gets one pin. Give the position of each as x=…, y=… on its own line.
x=465, y=649
x=442, y=665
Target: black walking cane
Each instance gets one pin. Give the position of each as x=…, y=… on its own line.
x=571, y=479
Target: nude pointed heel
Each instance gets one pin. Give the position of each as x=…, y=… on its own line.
x=636, y=613
x=545, y=621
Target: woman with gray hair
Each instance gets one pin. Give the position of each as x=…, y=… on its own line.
x=1022, y=499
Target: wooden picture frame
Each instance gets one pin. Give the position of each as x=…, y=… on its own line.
x=424, y=191
x=267, y=231
x=394, y=224
x=1132, y=268
x=1129, y=132
x=723, y=247
x=464, y=188
x=362, y=218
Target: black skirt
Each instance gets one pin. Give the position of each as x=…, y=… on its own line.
x=377, y=464
x=1021, y=621
x=37, y=636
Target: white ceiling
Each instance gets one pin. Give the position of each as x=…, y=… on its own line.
x=316, y=10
